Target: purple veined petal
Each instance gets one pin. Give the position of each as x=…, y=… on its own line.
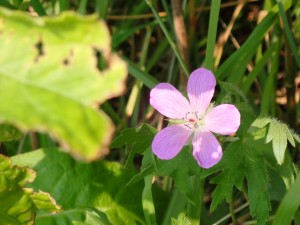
x=223, y=119
x=166, y=99
x=168, y=142
x=206, y=149
x=200, y=89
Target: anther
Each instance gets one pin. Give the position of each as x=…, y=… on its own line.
x=188, y=126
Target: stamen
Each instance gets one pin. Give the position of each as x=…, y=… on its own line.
x=196, y=114
x=188, y=126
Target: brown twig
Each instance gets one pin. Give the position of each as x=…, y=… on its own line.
x=164, y=14
x=181, y=37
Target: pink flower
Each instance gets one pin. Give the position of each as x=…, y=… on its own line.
x=193, y=120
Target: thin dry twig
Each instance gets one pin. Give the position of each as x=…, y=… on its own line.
x=181, y=37
x=164, y=14
x=224, y=36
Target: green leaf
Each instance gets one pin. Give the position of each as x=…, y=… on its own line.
x=232, y=175
x=18, y=205
x=101, y=185
x=53, y=79
x=257, y=180
x=243, y=159
x=77, y=216
x=289, y=135
x=148, y=167
x=181, y=168
x=277, y=134
x=9, y=133
x=138, y=138
x=181, y=220
x=261, y=122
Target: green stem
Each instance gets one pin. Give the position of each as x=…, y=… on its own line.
x=168, y=36
x=176, y=205
x=194, y=210
x=232, y=213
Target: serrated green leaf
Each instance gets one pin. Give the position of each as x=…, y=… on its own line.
x=232, y=175
x=140, y=138
x=257, y=180
x=101, y=185
x=277, y=134
x=181, y=168
x=289, y=135
x=18, y=205
x=296, y=137
x=53, y=79
x=181, y=220
x=148, y=167
x=137, y=139
x=243, y=159
x=261, y=122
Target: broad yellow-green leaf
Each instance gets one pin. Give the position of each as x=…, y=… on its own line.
x=49, y=80
x=18, y=205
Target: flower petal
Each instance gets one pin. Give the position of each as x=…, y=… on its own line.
x=169, y=141
x=169, y=101
x=207, y=150
x=223, y=119
x=200, y=89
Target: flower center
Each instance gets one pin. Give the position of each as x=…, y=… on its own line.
x=192, y=120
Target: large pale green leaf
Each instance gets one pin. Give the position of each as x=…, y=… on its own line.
x=18, y=205
x=75, y=185
x=49, y=79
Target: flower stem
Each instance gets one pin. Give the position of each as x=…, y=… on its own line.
x=194, y=210
x=168, y=36
x=231, y=208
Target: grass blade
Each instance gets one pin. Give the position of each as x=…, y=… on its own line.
x=212, y=34
x=288, y=33
x=289, y=205
x=168, y=36
x=38, y=7
x=135, y=71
